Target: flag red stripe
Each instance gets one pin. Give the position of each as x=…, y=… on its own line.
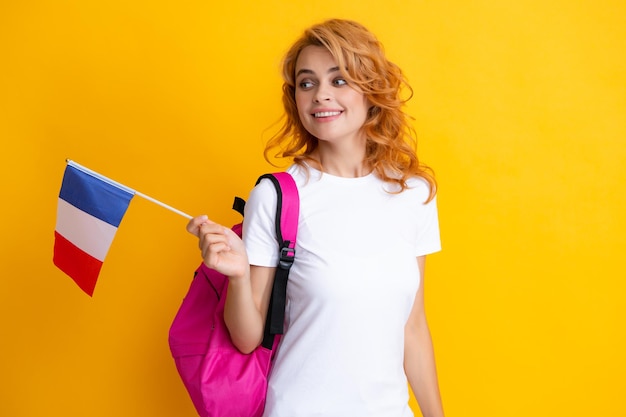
x=80, y=266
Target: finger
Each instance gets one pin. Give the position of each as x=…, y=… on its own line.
x=210, y=227
x=194, y=224
x=207, y=238
x=211, y=252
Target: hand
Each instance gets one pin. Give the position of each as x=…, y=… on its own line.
x=221, y=248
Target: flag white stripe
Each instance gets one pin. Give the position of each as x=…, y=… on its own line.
x=88, y=233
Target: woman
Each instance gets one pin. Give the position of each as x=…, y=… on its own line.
x=355, y=328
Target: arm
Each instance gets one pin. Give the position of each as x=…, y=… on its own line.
x=249, y=287
x=246, y=307
x=419, y=357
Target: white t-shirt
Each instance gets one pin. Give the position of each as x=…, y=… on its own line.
x=349, y=294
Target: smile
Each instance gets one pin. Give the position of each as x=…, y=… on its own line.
x=326, y=114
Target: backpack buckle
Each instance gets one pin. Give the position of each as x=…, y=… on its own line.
x=287, y=256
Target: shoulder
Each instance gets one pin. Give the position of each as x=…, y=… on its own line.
x=419, y=186
x=264, y=196
x=262, y=200
x=417, y=189
x=303, y=174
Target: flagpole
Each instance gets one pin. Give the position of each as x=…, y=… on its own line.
x=170, y=208
x=123, y=187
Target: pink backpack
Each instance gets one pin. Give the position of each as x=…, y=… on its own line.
x=222, y=381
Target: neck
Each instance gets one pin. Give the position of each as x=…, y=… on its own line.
x=348, y=162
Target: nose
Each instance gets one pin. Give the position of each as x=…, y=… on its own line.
x=323, y=93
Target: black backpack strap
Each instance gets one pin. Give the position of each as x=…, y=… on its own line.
x=287, y=211
x=239, y=204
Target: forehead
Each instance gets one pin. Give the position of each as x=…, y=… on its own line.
x=315, y=58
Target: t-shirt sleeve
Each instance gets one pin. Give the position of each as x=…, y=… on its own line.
x=259, y=233
x=428, y=239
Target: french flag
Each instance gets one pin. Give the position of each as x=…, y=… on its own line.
x=89, y=211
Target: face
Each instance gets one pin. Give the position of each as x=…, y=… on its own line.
x=329, y=108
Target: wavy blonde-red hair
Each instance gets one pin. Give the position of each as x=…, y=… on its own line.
x=391, y=147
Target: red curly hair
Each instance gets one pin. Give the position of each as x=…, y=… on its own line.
x=391, y=144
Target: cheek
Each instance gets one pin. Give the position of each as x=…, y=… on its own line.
x=358, y=101
x=301, y=106
x=300, y=100
x=364, y=106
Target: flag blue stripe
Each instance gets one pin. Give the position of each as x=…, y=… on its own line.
x=94, y=196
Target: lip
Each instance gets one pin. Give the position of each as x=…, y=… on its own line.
x=326, y=114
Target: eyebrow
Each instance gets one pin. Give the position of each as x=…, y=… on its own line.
x=308, y=71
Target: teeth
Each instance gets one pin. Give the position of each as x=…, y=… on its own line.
x=327, y=113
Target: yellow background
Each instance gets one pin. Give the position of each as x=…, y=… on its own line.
x=520, y=107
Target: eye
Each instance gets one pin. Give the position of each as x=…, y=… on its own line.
x=305, y=84
x=339, y=82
